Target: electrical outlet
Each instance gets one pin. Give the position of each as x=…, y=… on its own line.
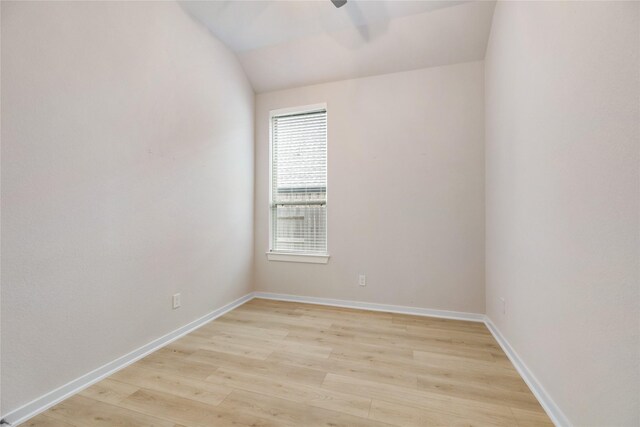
x=362, y=280
x=504, y=305
x=176, y=301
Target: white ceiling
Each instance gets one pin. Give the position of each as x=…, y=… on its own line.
x=283, y=44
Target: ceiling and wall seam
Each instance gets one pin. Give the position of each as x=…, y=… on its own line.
x=361, y=39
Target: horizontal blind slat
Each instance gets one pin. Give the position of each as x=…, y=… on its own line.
x=299, y=180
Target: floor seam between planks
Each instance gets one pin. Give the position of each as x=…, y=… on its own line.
x=275, y=363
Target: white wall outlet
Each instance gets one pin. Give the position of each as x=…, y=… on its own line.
x=504, y=305
x=362, y=280
x=176, y=301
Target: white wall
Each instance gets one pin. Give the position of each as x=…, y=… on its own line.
x=127, y=176
x=452, y=34
x=562, y=157
x=405, y=190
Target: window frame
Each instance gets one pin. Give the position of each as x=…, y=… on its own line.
x=273, y=255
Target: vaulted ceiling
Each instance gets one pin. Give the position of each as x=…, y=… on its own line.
x=283, y=44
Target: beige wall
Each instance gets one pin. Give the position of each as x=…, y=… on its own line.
x=405, y=190
x=127, y=176
x=562, y=156
x=114, y=197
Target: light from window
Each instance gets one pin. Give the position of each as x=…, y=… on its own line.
x=299, y=183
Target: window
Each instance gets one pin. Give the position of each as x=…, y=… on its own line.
x=299, y=183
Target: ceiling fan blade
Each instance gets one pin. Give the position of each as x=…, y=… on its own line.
x=339, y=3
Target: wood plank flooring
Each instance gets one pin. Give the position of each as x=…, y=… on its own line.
x=271, y=363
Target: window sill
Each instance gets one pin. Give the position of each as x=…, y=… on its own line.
x=289, y=257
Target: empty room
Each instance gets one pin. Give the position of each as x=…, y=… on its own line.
x=337, y=213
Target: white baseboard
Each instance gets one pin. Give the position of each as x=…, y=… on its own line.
x=553, y=411
x=444, y=314
x=43, y=403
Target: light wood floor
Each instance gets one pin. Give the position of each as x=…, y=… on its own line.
x=270, y=363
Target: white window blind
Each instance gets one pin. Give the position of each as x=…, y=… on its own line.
x=299, y=183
